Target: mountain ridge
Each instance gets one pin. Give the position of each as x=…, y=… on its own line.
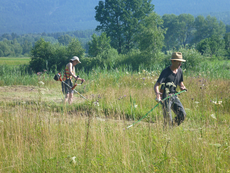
x=26, y=16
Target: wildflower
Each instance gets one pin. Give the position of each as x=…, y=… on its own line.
x=127, y=72
x=139, y=73
x=135, y=106
x=96, y=103
x=196, y=102
x=213, y=116
x=39, y=73
x=40, y=82
x=73, y=160
x=217, y=103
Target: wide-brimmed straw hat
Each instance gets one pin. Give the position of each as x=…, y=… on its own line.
x=75, y=58
x=177, y=56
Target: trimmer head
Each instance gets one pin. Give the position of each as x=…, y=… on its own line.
x=57, y=77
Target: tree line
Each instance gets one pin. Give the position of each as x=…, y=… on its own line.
x=132, y=33
x=14, y=45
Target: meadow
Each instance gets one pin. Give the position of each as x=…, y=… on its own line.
x=12, y=61
x=41, y=134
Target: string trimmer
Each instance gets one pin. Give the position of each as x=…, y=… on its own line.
x=155, y=107
x=57, y=77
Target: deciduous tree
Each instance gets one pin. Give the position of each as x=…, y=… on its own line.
x=119, y=19
x=99, y=44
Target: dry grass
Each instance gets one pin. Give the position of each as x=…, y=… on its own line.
x=45, y=137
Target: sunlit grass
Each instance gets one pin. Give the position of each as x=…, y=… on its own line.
x=38, y=133
x=14, y=61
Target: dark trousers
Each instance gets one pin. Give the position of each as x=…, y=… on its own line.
x=174, y=104
x=66, y=89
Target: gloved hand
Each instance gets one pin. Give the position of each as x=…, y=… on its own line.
x=158, y=99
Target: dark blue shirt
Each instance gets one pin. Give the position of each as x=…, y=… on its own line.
x=167, y=76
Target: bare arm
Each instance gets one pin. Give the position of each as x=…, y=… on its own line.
x=156, y=89
x=182, y=86
x=72, y=72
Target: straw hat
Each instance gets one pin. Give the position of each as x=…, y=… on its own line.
x=75, y=58
x=177, y=56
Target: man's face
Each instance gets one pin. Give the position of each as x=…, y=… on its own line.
x=177, y=64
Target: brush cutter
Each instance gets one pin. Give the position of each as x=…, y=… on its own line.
x=155, y=107
x=57, y=77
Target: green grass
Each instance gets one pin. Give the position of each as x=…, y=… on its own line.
x=14, y=61
x=40, y=134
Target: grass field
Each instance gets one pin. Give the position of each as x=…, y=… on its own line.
x=14, y=61
x=41, y=134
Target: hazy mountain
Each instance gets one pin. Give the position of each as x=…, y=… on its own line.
x=29, y=16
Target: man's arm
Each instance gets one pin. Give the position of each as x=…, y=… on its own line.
x=182, y=86
x=156, y=89
x=73, y=73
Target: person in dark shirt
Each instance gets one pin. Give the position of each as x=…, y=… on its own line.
x=169, y=79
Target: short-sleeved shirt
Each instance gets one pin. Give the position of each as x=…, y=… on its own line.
x=168, y=76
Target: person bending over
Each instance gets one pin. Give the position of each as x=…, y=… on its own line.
x=67, y=78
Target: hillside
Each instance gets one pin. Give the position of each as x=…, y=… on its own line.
x=30, y=16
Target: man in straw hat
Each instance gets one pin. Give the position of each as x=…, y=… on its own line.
x=67, y=78
x=169, y=78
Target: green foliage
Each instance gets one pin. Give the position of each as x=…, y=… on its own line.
x=75, y=48
x=18, y=45
x=227, y=43
x=227, y=28
x=10, y=48
x=206, y=27
x=99, y=44
x=64, y=39
x=120, y=20
x=212, y=46
x=53, y=56
x=180, y=30
x=150, y=35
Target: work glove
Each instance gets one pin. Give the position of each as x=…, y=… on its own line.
x=158, y=100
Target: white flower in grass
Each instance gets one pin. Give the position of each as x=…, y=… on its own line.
x=40, y=82
x=127, y=72
x=135, y=106
x=213, y=116
x=217, y=103
x=196, y=102
x=96, y=103
x=73, y=160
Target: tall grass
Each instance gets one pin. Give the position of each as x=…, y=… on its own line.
x=41, y=135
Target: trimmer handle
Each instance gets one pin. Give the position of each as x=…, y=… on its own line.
x=75, y=84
